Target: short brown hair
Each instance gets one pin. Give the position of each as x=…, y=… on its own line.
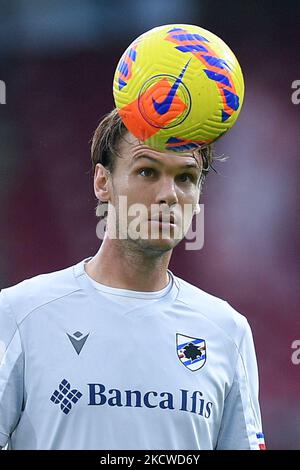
x=106, y=140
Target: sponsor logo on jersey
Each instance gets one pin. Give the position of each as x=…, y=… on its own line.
x=191, y=351
x=78, y=340
x=65, y=396
x=98, y=395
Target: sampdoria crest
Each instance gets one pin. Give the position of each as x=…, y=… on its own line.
x=191, y=351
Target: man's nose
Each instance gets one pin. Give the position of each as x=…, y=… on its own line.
x=166, y=191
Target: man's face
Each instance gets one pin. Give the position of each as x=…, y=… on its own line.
x=153, y=195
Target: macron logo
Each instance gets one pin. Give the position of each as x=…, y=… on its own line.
x=78, y=340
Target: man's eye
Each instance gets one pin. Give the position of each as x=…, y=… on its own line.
x=186, y=177
x=146, y=172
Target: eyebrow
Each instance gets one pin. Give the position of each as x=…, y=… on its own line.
x=187, y=165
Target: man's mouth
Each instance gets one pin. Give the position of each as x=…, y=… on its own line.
x=163, y=218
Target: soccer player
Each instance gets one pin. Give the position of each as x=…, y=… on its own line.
x=116, y=352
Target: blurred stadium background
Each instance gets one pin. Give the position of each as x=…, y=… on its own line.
x=57, y=59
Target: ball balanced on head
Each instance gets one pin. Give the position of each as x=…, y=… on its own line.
x=177, y=87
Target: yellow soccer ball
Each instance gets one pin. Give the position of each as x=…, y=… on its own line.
x=178, y=86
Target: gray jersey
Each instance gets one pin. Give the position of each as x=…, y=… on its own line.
x=103, y=368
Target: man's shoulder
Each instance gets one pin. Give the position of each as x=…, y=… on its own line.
x=34, y=292
x=214, y=309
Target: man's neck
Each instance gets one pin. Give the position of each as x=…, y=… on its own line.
x=122, y=265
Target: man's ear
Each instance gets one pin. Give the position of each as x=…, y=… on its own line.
x=102, y=183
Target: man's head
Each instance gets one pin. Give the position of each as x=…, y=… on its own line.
x=161, y=189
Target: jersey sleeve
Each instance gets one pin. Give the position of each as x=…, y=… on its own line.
x=11, y=371
x=241, y=426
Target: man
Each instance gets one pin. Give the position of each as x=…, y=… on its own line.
x=117, y=352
